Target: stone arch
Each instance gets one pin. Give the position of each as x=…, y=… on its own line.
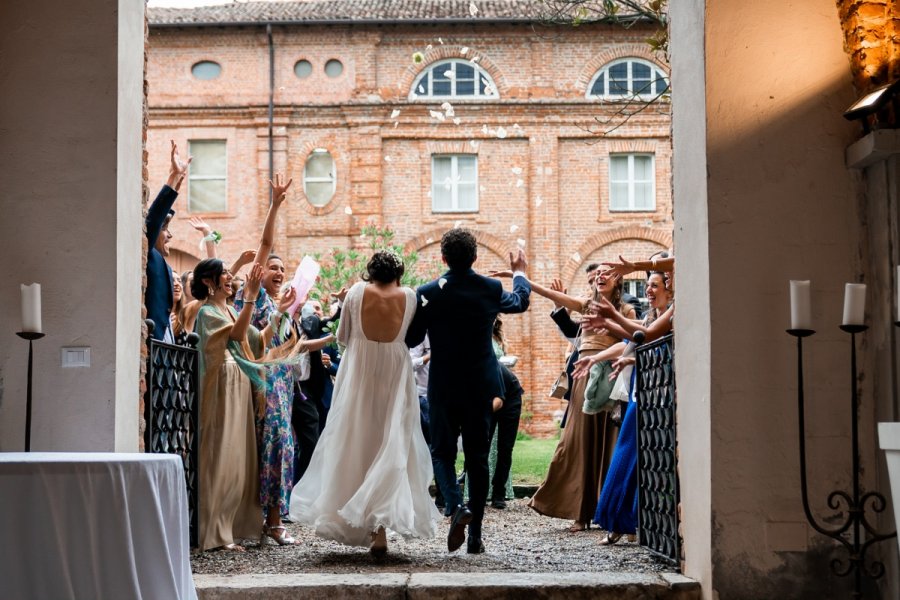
x=439, y=53
x=598, y=240
x=598, y=61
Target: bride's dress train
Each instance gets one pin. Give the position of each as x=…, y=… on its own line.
x=371, y=467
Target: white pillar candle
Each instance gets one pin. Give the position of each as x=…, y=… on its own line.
x=854, y=303
x=801, y=313
x=31, y=307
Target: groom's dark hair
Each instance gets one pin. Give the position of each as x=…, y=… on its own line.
x=459, y=248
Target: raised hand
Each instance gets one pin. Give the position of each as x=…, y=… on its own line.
x=279, y=188
x=582, y=367
x=201, y=226
x=340, y=295
x=251, y=287
x=557, y=286
x=518, y=261
x=621, y=268
x=504, y=273
x=177, y=167
x=287, y=298
x=603, y=307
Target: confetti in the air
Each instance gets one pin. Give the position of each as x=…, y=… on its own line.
x=457, y=121
x=513, y=228
x=457, y=225
x=441, y=41
x=424, y=301
x=449, y=74
x=538, y=201
x=420, y=89
x=348, y=211
x=429, y=241
x=442, y=282
x=436, y=114
x=521, y=243
x=475, y=59
x=448, y=109
x=418, y=58
x=473, y=9
x=501, y=132
x=516, y=126
x=520, y=183
x=474, y=144
x=485, y=130
x=395, y=113
x=576, y=257
x=540, y=265
x=388, y=159
x=464, y=50
x=516, y=170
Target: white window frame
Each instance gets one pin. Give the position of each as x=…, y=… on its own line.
x=454, y=184
x=191, y=177
x=630, y=94
x=631, y=181
x=633, y=285
x=443, y=65
x=332, y=178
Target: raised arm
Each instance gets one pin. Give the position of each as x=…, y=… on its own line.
x=159, y=209
x=624, y=267
x=267, y=241
x=251, y=291
x=559, y=298
x=209, y=236
x=245, y=258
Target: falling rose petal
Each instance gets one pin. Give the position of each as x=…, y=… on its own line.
x=457, y=121
x=429, y=241
x=576, y=257
x=464, y=50
x=475, y=59
x=388, y=159
x=348, y=211
x=436, y=114
x=474, y=144
x=424, y=301
x=395, y=113
x=449, y=74
x=457, y=225
x=420, y=89
x=442, y=282
x=519, y=183
x=513, y=228
x=501, y=132
x=516, y=170
x=473, y=9
x=521, y=243
x=538, y=201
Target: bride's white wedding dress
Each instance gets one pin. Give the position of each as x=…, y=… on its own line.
x=371, y=466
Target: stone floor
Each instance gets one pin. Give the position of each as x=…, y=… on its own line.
x=516, y=539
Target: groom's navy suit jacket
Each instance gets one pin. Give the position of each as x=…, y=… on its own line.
x=459, y=318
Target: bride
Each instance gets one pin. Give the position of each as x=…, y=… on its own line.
x=371, y=469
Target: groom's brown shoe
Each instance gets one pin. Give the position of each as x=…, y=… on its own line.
x=462, y=516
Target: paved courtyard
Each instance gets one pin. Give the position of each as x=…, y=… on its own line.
x=516, y=540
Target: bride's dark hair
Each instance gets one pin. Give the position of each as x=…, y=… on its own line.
x=384, y=267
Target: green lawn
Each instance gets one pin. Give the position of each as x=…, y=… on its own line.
x=530, y=460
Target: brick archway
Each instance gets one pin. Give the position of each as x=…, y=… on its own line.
x=597, y=241
x=620, y=51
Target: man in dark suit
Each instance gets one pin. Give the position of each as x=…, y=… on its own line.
x=158, y=296
x=457, y=312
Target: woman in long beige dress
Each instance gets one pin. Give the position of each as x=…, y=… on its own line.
x=587, y=442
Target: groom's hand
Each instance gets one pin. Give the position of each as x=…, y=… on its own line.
x=518, y=261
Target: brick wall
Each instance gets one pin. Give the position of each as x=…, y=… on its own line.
x=546, y=182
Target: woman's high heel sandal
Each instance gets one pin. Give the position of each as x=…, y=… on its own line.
x=277, y=533
x=610, y=539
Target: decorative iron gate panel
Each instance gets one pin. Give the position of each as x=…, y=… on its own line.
x=171, y=412
x=658, y=492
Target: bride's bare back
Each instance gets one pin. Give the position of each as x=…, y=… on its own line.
x=381, y=312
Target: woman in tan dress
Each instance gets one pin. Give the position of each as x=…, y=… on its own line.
x=586, y=443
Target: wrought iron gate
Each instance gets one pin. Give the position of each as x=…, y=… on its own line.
x=658, y=491
x=171, y=412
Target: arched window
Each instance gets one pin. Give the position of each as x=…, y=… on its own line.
x=454, y=78
x=628, y=78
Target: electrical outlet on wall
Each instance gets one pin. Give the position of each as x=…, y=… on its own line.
x=73, y=357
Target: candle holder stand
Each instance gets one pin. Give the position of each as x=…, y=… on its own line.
x=30, y=336
x=856, y=503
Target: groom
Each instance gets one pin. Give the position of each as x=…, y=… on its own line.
x=458, y=311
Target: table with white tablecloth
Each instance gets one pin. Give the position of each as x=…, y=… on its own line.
x=94, y=525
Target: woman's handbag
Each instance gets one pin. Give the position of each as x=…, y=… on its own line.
x=561, y=387
x=598, y=389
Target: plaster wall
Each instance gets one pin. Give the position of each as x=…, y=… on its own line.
x=780, y=204
x=67, y=210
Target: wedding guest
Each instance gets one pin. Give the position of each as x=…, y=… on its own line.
x=178, y=305
x=158, y=294
x=586, y=444
x=504, y=429
x=187, y=277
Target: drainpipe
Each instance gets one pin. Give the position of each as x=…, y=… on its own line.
x=271, y=106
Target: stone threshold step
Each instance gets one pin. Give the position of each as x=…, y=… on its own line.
x=449, y=586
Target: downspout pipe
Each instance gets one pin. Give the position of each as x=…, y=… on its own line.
x=271, y=107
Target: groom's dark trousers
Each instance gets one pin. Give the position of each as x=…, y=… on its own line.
x=458, y=311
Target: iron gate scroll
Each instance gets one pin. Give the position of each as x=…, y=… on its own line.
x=658, y=491
x=172, y=412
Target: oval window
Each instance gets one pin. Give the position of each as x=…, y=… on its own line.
x=319, y=180
x=334, y=68
x=303, y=69
x=206, y=69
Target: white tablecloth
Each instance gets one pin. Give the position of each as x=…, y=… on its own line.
x=94, y=526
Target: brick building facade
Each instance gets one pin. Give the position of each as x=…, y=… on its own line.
x=515, y=155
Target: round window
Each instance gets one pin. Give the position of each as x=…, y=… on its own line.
x=206, y=69
x=334, y=68
x=303, y=69
x=319, y=180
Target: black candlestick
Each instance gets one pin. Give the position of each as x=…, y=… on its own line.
x=856, y=503
x=30, y=336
